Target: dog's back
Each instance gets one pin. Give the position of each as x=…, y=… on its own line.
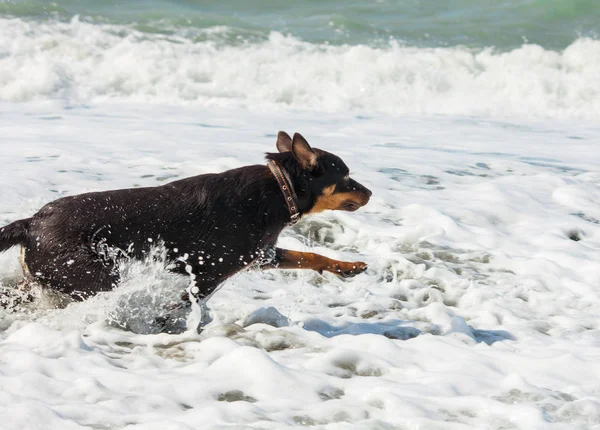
x=74, y=244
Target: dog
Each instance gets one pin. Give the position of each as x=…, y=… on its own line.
x=212, y=225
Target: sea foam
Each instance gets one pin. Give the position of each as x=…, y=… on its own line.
x=480, y=308
x=80, y=62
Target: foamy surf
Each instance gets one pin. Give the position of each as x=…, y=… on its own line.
x=80, y=63
x=480, y=308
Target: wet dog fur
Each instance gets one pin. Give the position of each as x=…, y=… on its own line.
x=211, y=225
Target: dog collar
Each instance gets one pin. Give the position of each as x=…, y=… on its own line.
x=285, y=185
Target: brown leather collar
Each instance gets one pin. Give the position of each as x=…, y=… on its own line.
x=287, y=190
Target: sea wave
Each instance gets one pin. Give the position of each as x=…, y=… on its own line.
x=81, y=62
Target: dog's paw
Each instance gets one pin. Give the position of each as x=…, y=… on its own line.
x=348, y=269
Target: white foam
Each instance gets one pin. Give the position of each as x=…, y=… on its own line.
x=79, y=62
x=479, y=309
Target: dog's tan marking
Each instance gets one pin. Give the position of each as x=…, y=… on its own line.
x=330, y=200
x=24, y=267
x=308, y=260
x=27, y=277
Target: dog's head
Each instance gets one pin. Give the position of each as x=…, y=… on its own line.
x=326, y=178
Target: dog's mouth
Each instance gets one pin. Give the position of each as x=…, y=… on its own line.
x=350, y=205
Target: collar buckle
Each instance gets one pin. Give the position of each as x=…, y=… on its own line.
x=294, y=218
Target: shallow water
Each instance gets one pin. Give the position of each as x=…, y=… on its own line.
x=475, y=124
x=479, y=308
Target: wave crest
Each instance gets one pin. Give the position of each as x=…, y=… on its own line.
x=81, y=62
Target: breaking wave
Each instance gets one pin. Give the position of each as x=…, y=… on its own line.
x=81, y=62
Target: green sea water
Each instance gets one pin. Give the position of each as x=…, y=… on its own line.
x=503, y=24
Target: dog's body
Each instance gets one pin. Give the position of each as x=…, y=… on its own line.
x=211, y=226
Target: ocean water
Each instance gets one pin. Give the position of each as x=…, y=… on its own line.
x=515, y=58
x=553, y=24
x=475, y=123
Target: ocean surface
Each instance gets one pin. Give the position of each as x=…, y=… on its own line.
x=505, y=25
x=533, y=58
x=476, y=124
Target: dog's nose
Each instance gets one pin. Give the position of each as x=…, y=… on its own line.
x=361, y=189
x=366, y=195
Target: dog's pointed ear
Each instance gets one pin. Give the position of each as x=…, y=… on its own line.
x=284, y=142
x=303, y=152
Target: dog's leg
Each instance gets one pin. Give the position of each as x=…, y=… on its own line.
x=195, y=294
x=13, y=296
x=205, y=316
x=201, y=297
x=286, y=259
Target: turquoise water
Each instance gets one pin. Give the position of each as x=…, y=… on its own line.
x=552, y=24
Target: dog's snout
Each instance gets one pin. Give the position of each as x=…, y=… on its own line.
x=366, y=193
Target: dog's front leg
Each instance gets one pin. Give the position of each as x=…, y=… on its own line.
x=193, y=294
x=286, y=259
x=201, y=297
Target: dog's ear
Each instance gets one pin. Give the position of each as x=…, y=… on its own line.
x=303, y=152
x=284, y=142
